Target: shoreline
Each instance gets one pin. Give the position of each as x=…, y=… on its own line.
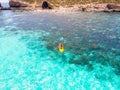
x=91, y=7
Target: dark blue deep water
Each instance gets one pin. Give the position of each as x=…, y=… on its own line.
x=30, y=59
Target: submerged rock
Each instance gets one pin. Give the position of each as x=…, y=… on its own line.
x=82, y=61
x=90, y=67
x=117, y=71
x=94, y=46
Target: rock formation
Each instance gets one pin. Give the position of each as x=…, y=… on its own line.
x=0, y=6
x=17, y=4
x=113, y=7
x=46, y=5
x=99, y=7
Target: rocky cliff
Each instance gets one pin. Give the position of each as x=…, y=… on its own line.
x=45, y=4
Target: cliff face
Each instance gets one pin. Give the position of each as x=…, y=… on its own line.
x=69, y=3
x=77, y=6
x=87, y=5
x=34, y=5
x=72, y=2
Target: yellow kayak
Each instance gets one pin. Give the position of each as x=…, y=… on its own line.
x=61, y=50
x=61, y=47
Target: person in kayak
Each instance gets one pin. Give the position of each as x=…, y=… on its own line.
x=61, y=47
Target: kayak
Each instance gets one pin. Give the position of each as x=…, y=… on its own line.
x=61, y=50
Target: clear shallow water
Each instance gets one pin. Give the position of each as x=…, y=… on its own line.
x=29, y=58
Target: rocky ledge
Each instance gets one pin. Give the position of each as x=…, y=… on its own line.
x=93, y=7
x=18, y=5
x=96, y=7
x=112, y=8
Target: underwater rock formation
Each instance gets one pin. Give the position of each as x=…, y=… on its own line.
x=79, y=62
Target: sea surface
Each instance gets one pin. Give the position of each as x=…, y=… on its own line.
x=30, y=59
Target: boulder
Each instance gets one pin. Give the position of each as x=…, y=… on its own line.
x=15, y=4
x=46, y=5
x=113, y=6
x=84, y=9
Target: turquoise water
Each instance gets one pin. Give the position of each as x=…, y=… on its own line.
x=30, y=60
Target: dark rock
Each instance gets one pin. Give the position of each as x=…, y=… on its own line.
x=0, y=5
x=83, y=9
x=82, y=61
x=116, y=10
x=111, y=10
x=117, y=71
x=15, y=4
x=75, y=62
x=113, y=6
x=110, y=6
x=5, y=8
x=46, y=5
x=90, y=67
